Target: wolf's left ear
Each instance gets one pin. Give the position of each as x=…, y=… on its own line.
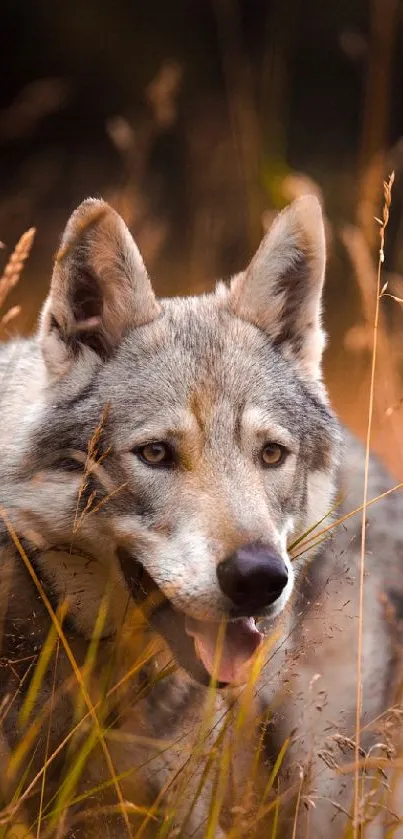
x=281, y=289
x=100, y=288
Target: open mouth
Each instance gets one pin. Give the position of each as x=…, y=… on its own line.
x=225, y=651
x=205, y=649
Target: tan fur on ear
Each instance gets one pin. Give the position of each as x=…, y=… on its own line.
x=99, y=289
x=280, y=291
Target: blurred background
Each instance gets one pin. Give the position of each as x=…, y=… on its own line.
x=200, y=119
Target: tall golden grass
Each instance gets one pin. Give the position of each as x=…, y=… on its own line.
x=214, y=746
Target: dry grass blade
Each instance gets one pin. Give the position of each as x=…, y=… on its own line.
x=273, y=776
x=41, y=666
x=10, y=813
x=297, y=806
x=48, y=735
x=73, y=664
x=393, y=296
x=308, y=542
x=94, y=459
x=15, y=264
x=389, y=383
x=9, y=316
x=357, y=776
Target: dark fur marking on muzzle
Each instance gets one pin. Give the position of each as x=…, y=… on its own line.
x=164, y=618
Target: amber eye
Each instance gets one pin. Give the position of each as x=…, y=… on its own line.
x=273, y=454
x=155, y=454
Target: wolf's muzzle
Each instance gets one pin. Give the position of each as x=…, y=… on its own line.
x=162, y=616
x=253, y=577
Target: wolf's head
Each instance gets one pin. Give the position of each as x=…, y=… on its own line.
x=218, y=436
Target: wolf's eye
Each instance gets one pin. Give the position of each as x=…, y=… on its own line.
x=155, y=454
x=273, y=454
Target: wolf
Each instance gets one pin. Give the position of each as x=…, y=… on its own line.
x=180, y=539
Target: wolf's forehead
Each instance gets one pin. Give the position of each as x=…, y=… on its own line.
x=202, y=361
x=196, y=348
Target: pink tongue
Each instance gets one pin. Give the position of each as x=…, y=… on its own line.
x=241, y=640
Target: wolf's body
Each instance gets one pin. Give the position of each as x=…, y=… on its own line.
x=126, y=552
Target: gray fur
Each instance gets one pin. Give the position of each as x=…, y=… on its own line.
x=217, y=376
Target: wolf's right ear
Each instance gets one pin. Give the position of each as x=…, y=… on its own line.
x=100, y=289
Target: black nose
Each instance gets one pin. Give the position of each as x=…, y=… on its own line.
x=253, y=577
